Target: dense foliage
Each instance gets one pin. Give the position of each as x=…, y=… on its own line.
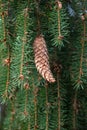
x=28, y=102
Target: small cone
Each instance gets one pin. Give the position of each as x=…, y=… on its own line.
x=42, y=59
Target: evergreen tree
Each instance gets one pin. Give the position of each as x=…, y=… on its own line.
x=43, y=62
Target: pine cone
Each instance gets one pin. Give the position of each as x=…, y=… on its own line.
x=42, y=59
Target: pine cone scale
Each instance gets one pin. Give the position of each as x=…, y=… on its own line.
x=45, y=57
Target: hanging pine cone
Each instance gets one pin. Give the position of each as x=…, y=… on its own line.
x=42, y=59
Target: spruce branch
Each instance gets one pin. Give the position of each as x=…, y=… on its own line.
x=8, y=73
x=59, y=29
x=26, y=102
x=35, y=106
x=4, y=28
x=28, y=126
x=47, y=107
x=7, y=61
x=24, y=41
x=59, y=6
x=59, y=107
x=75, y=111
x=79, y=81
x=13, y=111
x=82, y=53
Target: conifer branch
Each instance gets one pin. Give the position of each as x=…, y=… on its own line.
x=75, y=111
x=24, y=42
x=12, y=114
x=81, y=60
x=26, y=87
x=26, y=102
x=59, y=21
x=8, y=73
x=38, y=17
x=28, y=126
x=29, y=108
x=59, y=107
x=4, y=28
x=82, y=53
x=35, y=107
x=9, y=55
x=59, y=29
x=12, y=118
x=47, y=107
